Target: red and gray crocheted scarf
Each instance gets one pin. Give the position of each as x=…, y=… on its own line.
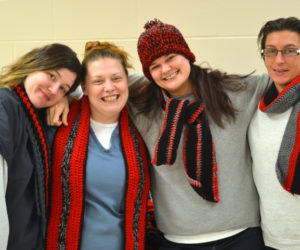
x=199, y=158
x=67, y=199
x=288, y=161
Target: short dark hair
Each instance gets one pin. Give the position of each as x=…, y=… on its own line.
x=290, y=23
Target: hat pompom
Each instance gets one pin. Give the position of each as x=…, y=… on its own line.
x=155, y=22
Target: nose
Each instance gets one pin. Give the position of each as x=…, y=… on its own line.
x=279, y=58
x=54, y=88
x=165, y=67
x=109, y=85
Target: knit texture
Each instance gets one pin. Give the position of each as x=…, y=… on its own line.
x=199, y=157
x=67, y=200
x=40, y=152
x=288, y=162
x=161, y=39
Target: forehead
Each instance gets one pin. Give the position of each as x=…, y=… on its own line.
x=159, y=59
x=283, y=38
x=105, y=64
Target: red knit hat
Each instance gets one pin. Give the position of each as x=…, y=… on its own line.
x=160, y=39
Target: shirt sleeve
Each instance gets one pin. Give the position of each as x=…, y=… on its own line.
x=11, y=125
x=137, y=77
x=77, y=93
x=4, y=226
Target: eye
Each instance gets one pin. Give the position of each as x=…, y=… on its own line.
x=116, y=78
x=170, y=57
x=290, y=51
x=270, y=52
x=63, y=89
x=154, y=67
x=51, y=76
x=97, y=81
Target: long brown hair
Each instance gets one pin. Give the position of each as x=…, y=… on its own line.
x=210, y=85
x=50, y=57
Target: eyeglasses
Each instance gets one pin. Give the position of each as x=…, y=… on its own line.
x=288, y=52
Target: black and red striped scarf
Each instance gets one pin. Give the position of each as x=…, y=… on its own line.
x=288, y=161
x=199, y=158
x=40, y=150
x=69, y=159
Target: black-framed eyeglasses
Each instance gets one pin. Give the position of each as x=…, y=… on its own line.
x=288, y=52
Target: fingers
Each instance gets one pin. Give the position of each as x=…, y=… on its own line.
x=50, y=113
x=64, y=116
x=56, y=117
x=58, y=113
x=53, y=117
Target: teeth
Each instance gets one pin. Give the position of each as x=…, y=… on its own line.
x=110, y=98
x=171, y=76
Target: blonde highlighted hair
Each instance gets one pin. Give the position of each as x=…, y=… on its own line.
x=47, y=58
x=95, y=50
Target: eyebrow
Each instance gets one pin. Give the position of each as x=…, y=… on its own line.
x=101, y=76
x=57, y=73
x=287, y=45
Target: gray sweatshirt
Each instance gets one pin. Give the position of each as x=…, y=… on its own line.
x=179, y=210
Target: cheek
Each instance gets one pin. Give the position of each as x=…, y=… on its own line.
x=154, y=75
x=297, y=68
x=58, y=97
x=185, y=65
x=268, y=65
x=93, y=90
x=125, y=91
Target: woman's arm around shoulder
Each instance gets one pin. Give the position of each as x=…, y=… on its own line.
x=257, y=84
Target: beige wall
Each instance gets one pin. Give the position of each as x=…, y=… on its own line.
x=221, y=32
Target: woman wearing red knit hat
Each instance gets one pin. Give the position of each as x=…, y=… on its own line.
x=194, y=122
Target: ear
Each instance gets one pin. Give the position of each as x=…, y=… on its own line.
x=83, y=87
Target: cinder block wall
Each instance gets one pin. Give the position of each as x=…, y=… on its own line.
x=221, y=33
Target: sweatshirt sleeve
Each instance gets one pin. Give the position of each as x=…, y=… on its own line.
x=11, y=125
x=4, y=226
x=137, y=78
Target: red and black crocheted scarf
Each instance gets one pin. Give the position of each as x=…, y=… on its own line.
x=69, y=159
x=40, y=150
x=199, y=157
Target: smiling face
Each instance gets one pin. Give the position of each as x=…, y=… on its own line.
x=45, y=89
x=107, y=89
x=171, y=72
x=281, y=69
